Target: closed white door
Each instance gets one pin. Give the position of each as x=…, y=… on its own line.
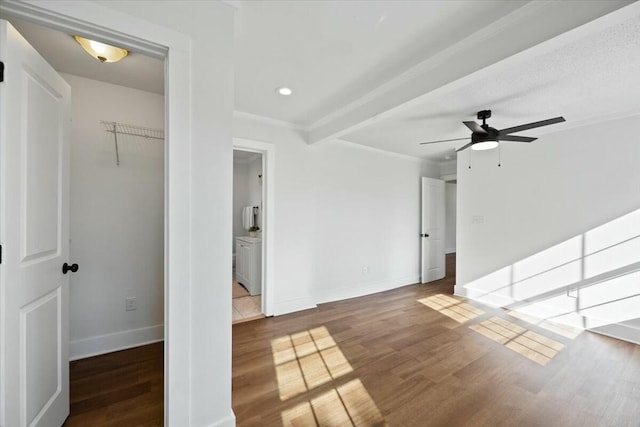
x=432, y=230
x=34, y=233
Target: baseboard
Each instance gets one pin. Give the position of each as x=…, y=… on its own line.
x=291, y=306
x=619, y=331
x=347, y=291
x=490, y=299
x=102, y=344
x=228, y=421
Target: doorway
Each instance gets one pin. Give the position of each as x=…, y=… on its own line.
x=188, y=200
x=116, y=217
x=248, y=226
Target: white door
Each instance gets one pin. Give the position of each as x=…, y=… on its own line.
x=432, y=234
x=34, y=233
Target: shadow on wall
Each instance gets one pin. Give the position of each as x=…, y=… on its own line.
x=588, y=281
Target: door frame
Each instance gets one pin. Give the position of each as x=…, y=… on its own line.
x=268, y=214
x=97, y=22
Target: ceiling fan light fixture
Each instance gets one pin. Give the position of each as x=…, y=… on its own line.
x=101, y=51
x=484, y=145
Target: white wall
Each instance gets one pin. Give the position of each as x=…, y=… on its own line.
x=116, y=219
x=339, y=207
x=240, y=198
x=450, y=194
x=561, y=212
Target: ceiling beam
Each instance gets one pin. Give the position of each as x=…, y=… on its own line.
x=526, y=27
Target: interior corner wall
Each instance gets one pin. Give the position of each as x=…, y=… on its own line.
x=528, y=230
x=430, y=169
x=450, y=194
x=116, y=220
x=347, y=218
x=240, y=199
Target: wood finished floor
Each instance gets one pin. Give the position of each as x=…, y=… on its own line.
x=399, y=358
x=124, y=388
x=411, y=357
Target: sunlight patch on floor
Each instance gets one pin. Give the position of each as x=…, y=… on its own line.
x=306, y=360
x=529, y=344
x=346, y=405
x=557, y=328
x=459, y=311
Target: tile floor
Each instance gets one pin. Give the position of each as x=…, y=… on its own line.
x=247, y=307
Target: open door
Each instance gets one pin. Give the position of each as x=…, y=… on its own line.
x=34, y=233
x=432, y=234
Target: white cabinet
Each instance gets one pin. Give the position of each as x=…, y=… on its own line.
x=249, y=263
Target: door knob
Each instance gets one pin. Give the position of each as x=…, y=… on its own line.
x=424, y=235
x=66, y=268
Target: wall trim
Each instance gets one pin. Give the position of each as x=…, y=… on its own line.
x=269, y=121
x=116, y=341
x=347, y=292
x=378, y=150
x=450, y=250
x=293, y=305
x=228, y=421
x=619, y=331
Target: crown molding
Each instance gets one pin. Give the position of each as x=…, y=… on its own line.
x=379, y=151
x=269, y=121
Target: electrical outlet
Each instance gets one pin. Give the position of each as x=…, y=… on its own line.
x=365, y=269
x=130, y=304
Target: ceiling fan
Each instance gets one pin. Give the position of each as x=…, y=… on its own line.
x=484, y=137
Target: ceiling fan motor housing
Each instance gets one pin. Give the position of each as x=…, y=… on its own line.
x=484, y=114
x=490, y=135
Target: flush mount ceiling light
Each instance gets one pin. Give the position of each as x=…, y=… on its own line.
x=102, y=52
x=284, y=91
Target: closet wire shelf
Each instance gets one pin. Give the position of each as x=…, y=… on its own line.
x=130, y=130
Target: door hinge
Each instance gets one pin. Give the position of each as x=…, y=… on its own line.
x=1, y=71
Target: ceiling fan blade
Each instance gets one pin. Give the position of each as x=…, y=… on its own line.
x=532, y=125
x=464, y=147
x=443, y=140
x=515, y=138
x=475, y=127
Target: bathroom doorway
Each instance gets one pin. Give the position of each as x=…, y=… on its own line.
x=247, y=242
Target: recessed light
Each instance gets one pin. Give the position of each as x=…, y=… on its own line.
x=284, y=91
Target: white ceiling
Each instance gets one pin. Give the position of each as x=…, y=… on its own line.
x=390, y=74
x=592, y=78
x=240, y=156
x=333, y=52
x=65, y=55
